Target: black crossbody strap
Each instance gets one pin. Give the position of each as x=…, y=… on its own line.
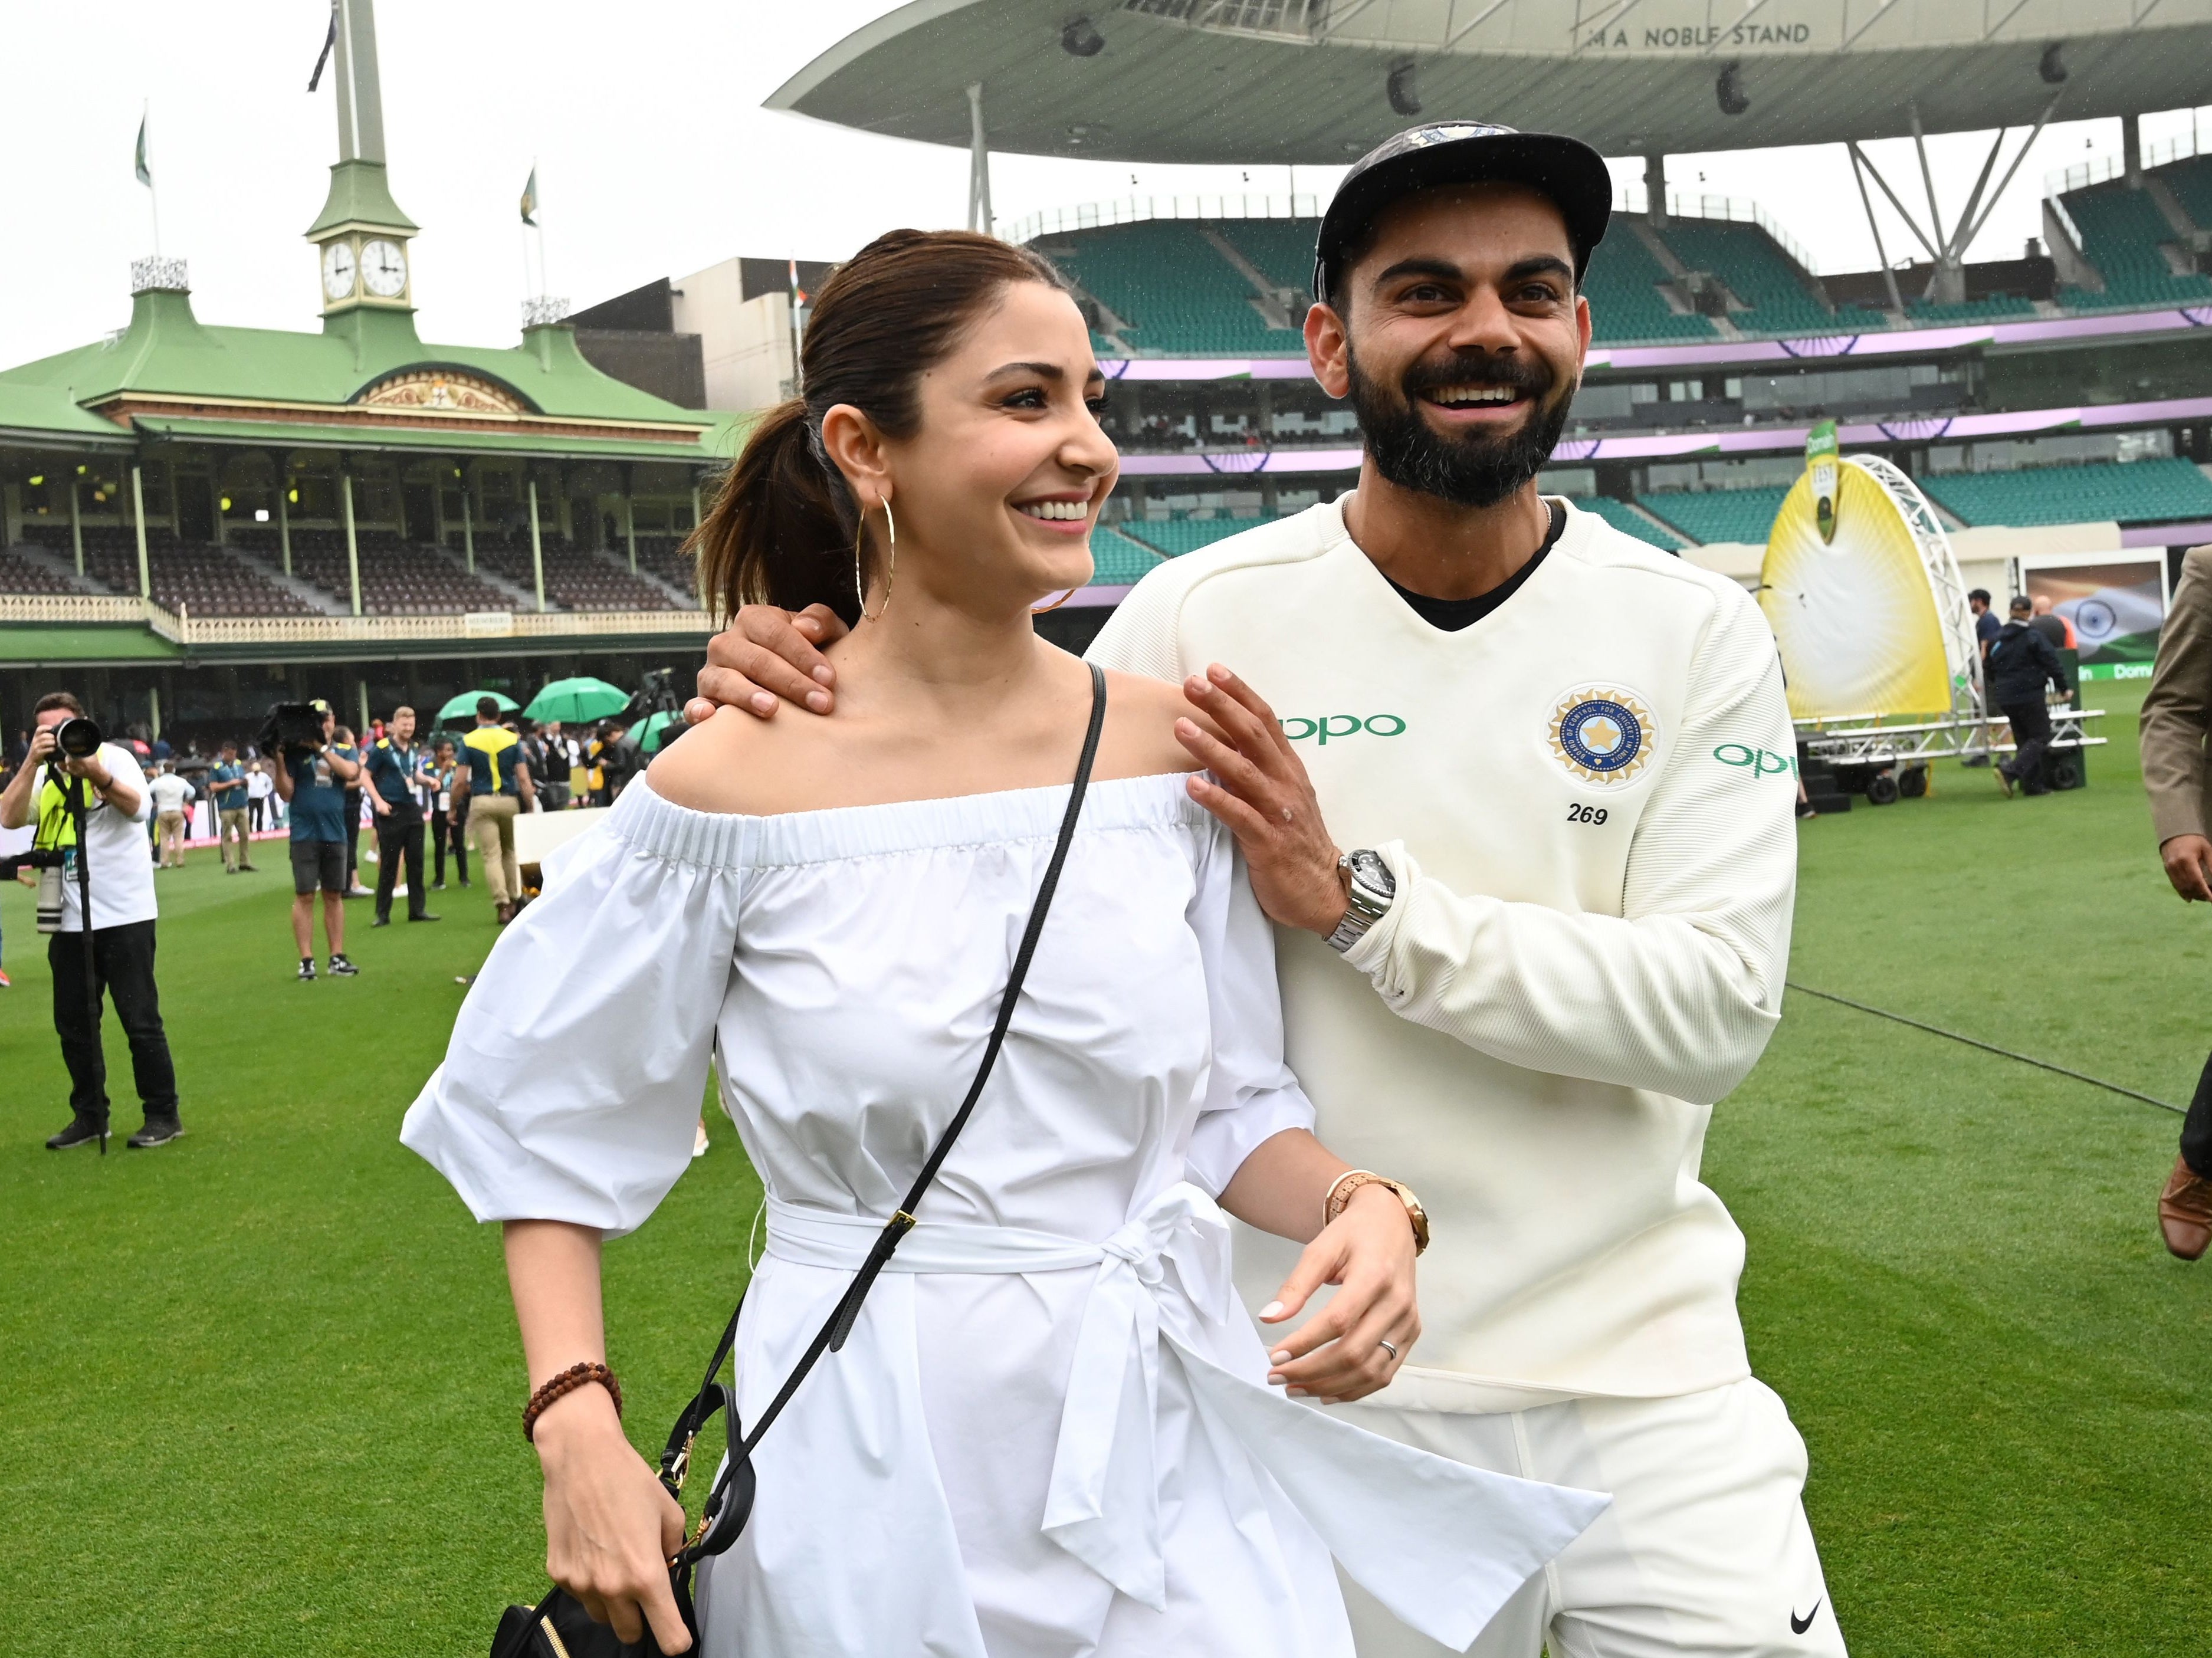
x=831, y=1337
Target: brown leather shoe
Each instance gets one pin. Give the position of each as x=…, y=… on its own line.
x=506, y=914
x=2185, y=1211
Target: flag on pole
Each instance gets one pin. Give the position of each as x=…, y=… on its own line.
x=330, y=44
x=529, y=199
x=145, y=177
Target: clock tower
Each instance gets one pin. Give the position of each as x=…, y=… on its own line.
x=361, y=236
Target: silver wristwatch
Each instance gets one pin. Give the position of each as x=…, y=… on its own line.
x=1370, y=889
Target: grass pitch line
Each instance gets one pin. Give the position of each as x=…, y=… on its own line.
x=1987, y=1047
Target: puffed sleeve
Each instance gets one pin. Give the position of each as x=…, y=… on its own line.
x=1250, y=1094
x=572, y=1086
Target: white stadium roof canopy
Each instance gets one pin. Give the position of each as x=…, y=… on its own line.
x=1310, y=81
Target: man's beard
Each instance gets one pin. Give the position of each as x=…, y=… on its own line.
x=1472, y=470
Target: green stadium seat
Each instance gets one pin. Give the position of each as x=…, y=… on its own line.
x=1118, y=561
x=1623, y=517
x=2130, y=492
x=1756, y=270
x=1622, y=284
x=1998, y=307
x=2121, y=230
x=1177, y=535
x=2191, y=182
x=1705, y=515
x=1179, y=296
x=1282, y=249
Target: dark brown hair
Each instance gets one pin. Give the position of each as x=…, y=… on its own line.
x=53, y=700
x=781, y=528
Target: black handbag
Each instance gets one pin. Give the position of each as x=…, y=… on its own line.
x=558, y=1626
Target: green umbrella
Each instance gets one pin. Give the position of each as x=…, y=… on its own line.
x=463, y=709
x=576, y=700
x=656, y=730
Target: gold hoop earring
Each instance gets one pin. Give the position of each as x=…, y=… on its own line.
x=1041, y=610
x=890, y=564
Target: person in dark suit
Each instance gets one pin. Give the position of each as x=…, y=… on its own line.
x=2018, y=663
x=2176, y=712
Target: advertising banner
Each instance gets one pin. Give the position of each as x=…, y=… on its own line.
x=1847, y=594
x=2116, y=604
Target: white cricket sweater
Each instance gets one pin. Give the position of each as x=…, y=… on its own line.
x=1587, y=799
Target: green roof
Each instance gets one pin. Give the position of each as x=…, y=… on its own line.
x=168, y=353
x=30, y=644
x=360, y=195
x=316, y=434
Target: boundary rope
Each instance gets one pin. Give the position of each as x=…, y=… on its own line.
x=1987, y=1047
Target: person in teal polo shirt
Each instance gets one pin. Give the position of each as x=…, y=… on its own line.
x=312, y=781
x=227, y=782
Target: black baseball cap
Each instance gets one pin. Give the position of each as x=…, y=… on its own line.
x=1463, y=153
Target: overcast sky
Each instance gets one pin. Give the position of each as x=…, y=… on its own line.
x=653, y=155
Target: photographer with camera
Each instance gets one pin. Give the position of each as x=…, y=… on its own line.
x=396, y=775
x=313, y=775
x=89, y=801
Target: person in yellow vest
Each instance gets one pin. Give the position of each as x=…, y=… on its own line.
x=492, y=786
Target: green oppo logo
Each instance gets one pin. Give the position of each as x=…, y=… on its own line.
x=1341, y=726
x=1759, y=762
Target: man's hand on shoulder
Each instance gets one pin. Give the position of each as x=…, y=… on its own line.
x=1260, y=789
x=766, y=657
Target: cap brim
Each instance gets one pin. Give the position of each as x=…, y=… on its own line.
x=1566, y=169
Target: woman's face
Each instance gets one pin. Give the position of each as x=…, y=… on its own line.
x=1004, y=479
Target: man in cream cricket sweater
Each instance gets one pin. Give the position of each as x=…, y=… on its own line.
x=1559, y=761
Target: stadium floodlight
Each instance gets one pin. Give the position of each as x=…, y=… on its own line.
x=1729, y=90
x=1080, y=38
x=2052, y=69
x=1405, y=88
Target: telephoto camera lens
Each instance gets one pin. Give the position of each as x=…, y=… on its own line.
x=78, y=737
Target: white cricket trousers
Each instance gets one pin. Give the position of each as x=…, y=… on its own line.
x=1705, y=1552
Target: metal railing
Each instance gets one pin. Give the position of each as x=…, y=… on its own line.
x=2095, y=171
x=1139, y=210
x=184, y=629
x=1729, y=210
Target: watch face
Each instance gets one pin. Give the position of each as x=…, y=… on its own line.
x=1369, y=871
x=384, y=268
x=337, y=271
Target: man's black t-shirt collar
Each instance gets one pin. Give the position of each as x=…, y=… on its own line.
x=1451, y=615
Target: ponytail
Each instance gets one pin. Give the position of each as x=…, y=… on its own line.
x=781, y=529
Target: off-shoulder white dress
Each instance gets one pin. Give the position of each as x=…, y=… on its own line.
x=1049, y=1434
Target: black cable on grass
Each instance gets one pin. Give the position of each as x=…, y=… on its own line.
x=1987, y=1047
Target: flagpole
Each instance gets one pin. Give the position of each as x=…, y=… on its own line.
x=152, y=194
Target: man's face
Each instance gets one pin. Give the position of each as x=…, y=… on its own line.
x=1977, y=605
x=1464, y=340
x=403, y=727
x=50, y=718
x=229, y=753
x=330, y=725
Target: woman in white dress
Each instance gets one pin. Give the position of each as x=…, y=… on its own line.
x=1053, y=1431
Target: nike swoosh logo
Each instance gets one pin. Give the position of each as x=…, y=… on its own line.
x=1799, y=1625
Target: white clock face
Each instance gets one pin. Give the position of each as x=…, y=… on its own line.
x=384, y=268
x=337, y=271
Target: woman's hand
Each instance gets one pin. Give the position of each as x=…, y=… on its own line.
x=611, y=1525
x=1368, y=1252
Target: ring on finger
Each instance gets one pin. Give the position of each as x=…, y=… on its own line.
x=1388, y=1346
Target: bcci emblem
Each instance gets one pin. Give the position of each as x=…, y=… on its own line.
x=1601, y=734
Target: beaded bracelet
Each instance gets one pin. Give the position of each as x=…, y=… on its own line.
x=575, y=1376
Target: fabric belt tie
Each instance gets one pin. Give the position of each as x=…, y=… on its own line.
x=1440, y=1543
